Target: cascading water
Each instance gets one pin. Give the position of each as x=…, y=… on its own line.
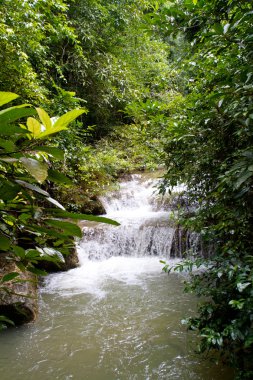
x=124, y=252
x=116, y=316
x=144, y=229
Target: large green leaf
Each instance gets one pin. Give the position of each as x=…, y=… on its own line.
x=33, y=126
x=12, y=114
x=93, y=218
x=61, y=123
x=32, y=187
x=36, y=168
x=8, y=190
x=7, y=145
x=6, y=97
x=68, y=228
x=4, y=243
x=37, y=271
x=19, y=251
x=55, y=202
x=51, y=151
x=67, y=118
x=47, y=231
x=57, y=177
x=9, y=129
x=44, y=117
x=9, y=276
x=50, y=254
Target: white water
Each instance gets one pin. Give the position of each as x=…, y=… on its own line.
x=117, y=316
x=121, y=253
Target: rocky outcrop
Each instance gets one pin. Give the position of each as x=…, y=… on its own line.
x=70, y=262
x=186, y=243
x=18, y=297
x=93, y=206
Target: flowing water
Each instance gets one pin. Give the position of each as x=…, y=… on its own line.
x=117, y=316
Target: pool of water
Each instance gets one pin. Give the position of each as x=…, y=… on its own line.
x=115, y=319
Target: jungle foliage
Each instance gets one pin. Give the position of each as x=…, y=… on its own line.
x=209, y=148
x=34, y=226
x=102, y=56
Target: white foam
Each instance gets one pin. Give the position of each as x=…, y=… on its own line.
x=93, y=276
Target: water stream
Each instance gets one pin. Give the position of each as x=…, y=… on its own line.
x=117, y=316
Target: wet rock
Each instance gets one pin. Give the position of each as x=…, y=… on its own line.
x=94, y=206
x=71, y=262
x=186, y=243
x=83, y=204
x=18, y=298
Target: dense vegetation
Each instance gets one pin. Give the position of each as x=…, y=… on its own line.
x=209, y=148
x=159, y=83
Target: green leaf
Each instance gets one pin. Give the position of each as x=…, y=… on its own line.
x=32, y=187
x=8, y=190
x=44, y=117
x=36, y=168
x=57, y=177
x=55, y=202
x=241, y=286
x=218, y=28
x=66, y=119
x=12, y=114
x=38, y=272
x=8, y=145
x=6, y=97
x=51, y=254
x=62, y=123
x=9, y=130
x=33, y=126
x=93, y=218
x=52, y=151
x=68, y=227
x=9, y=276
x=32, y=255
x=243, y=178
x=4, y=243
x=21, y=266
x=4, y=319
x=225, y=29
x=19, y=251
x=46, y=231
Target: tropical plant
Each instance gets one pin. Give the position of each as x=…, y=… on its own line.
x=30, y=229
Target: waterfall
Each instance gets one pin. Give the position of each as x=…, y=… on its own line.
x=145, y=228
x=146, y=235
x=124, y=253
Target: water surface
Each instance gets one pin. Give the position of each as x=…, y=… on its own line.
x=117, y=316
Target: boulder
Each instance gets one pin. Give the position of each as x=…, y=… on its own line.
x=186, y=243
x=18, y=297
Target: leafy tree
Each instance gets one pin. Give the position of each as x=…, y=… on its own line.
x=123, y=62
x=209, y=148
x=31, y=230
x=33, y=36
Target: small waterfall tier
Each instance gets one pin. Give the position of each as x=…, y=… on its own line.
x=145, y=227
